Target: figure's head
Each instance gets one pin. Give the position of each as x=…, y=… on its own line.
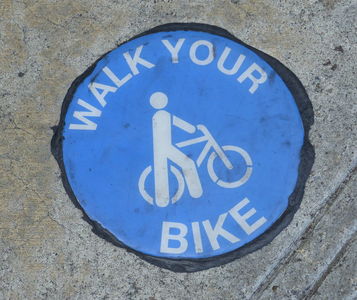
x=158, y=100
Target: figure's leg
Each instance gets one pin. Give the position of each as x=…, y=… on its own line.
x=161, y=127
x=189, y=171
x=162, y=194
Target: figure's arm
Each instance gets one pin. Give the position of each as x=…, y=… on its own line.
x=183, y=125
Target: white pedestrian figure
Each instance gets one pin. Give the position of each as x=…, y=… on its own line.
x=164, y=150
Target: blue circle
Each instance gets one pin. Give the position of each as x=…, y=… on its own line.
x=250, y=115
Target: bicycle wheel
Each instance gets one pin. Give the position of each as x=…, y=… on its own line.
x=242, y=179
x=148, y=198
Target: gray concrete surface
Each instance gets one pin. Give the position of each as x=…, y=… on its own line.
x=48, y=252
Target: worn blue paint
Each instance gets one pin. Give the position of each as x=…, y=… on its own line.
x=103, y=166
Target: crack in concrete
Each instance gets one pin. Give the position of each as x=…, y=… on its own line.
x=345, y=246
x=303, y=238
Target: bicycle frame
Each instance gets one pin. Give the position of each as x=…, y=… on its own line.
x=210, y=143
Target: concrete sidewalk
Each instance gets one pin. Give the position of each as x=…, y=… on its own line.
x=48, y=252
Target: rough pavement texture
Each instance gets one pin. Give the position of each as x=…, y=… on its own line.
x=48, y=252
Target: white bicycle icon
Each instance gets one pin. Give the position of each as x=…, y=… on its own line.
x=211, y=149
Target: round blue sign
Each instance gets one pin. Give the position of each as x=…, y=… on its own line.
x=184, y=145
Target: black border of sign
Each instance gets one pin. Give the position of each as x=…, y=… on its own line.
x=307, y=156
